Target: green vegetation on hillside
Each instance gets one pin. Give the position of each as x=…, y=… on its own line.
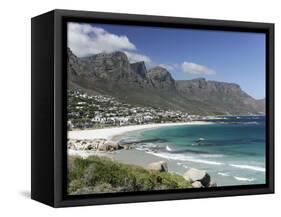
x=103, y=175
x=98, y=111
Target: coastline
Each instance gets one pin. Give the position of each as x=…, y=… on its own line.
x=223, y=171
x=133, y=156
x=130, y=157
x=111, y=133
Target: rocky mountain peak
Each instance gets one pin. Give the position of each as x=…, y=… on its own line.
x=110, y=66
x=112, y=74
x=200, y=79
x=139, y=68
x=74, y=63
x=161, y=77
x=114, y=56
x=159, y=71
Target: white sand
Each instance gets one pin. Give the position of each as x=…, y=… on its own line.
x=109, y=133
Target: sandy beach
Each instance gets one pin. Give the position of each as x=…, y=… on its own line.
x=131, y=157
x=110, y=133
x=134, y=156
x=223, y=168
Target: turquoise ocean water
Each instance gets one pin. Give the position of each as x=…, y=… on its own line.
x=232, y=151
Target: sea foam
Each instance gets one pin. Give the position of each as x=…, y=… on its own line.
x=244, y=179
x=260, y=169
x=223, y=174
x=180, y=157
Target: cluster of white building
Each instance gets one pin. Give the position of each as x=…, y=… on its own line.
x=85, y=111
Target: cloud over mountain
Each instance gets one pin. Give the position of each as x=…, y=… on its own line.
x=189, y=68
x=112, y=74
x=136, y=57
x=196, y=69
x=85, y=40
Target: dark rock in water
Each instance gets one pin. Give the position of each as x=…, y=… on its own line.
x=161, y=166
x=193, y=175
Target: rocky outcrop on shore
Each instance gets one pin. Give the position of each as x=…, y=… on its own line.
x=95, y=145
x=199, y=178
x=161, y=166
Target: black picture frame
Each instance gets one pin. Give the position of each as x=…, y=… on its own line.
x=49, y=130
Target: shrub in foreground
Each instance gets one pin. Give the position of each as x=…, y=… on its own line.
x=101, y=175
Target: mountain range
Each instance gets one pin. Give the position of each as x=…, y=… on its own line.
x=113, y=74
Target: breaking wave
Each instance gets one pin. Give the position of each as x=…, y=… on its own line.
x=255, y=168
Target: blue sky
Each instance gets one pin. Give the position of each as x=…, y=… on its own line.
x=215, y=55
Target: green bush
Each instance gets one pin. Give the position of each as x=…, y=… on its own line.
x=99, y=174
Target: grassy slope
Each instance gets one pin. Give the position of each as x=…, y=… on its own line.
x=199, y=103
x=141, y=96
x=101, y=175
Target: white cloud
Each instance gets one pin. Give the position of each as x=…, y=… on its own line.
x=135, y=57
x=85, y=40
x=196, y=69
x=169, y=67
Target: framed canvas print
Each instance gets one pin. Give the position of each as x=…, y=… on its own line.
x=133, y=108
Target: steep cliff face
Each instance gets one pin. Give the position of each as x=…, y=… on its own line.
x=113, y=66
x=210, y=90
x=140, y=69
x=228, y=98
x=112, y=74
x=161, y=78
x=73, y=64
